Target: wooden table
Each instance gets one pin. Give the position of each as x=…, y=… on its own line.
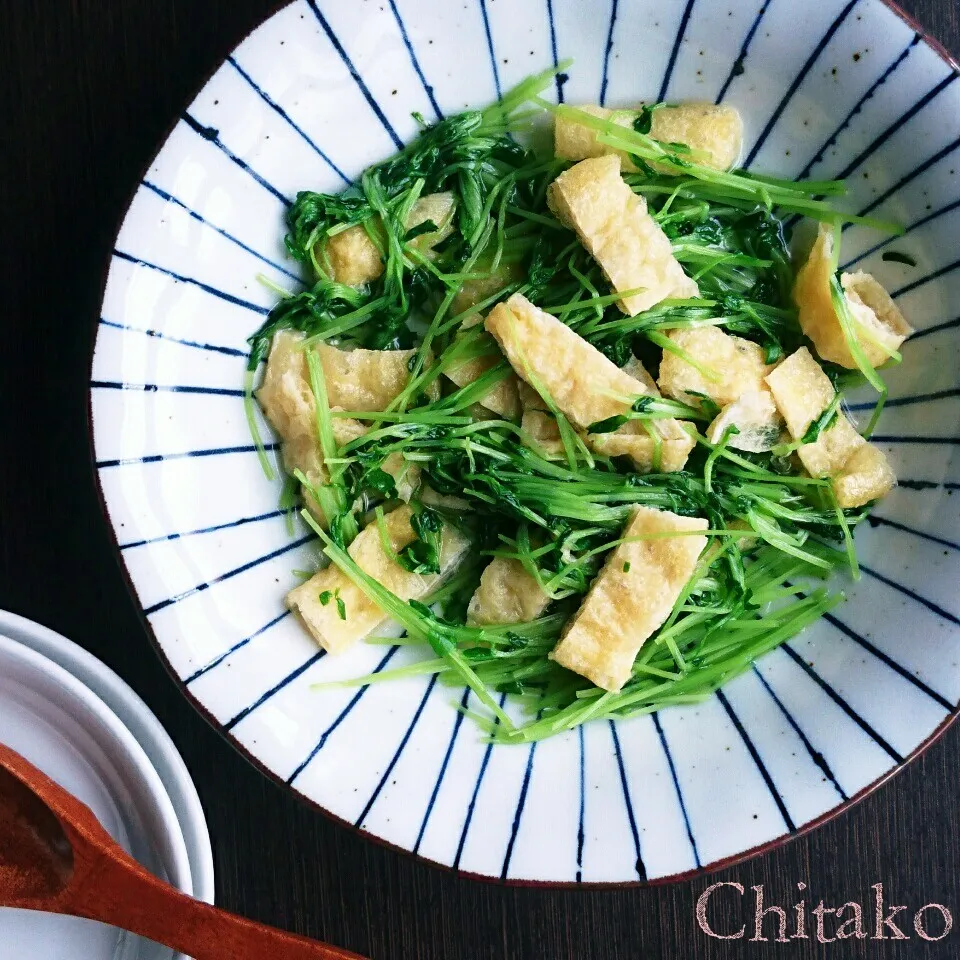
x=89, y=88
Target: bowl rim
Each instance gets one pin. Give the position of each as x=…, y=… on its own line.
x=953, y=61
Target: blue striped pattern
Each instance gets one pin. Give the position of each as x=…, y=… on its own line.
x=274, y=690
x=607, y=50
x=472, y=806
x=738, y=65
x=936, y=275
x=521, y=803
x=195, y=344
x=901, y=121
x=641, y=868
x=229, y=575
x=212, y=135
x=922, y=222
x=675, y=50
x=553, y=49
x=936, y=328
x=170, y=198
x=243, y=521
x=911, y=401
x=815, y=755
x=166, y=388
x=938, y=441
x=679, y=792
x=913, y=595
x=205, y=287
x=582, y=807
x=357, y=79
x=858, y=107
x=293, y=125
x=490, y=50
x=909, y=483
x=797, y=80
x=908, y=178
x=755, y=756
x=347, y=710
x=457, y=723
x=883, y=521
x=161, y=457
x=888, y=661
x=399, y=751
x=428, y=89
x=841, y=702
x=213, y=664
x=518, y=791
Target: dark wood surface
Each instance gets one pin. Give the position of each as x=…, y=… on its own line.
x=87, y=90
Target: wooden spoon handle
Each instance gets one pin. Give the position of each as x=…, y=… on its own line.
x=118, y=891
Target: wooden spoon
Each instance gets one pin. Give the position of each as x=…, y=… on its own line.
x=56, y=857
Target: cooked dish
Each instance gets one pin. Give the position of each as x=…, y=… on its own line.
x=569, y=408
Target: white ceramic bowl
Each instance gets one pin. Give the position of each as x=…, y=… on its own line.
x=322, y=89
x=62, y=727
x=137, y=717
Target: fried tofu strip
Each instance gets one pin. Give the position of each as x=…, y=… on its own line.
x=287, y=400
x=580, y=380
x=858, y=471
x=737, y=368
x=612, y=222
x=541, y=432
x=631, y=597
x=638, y=371
x=715, y=133
x=504, y=398
x=474, y=292
x=585, y=386
x=365, y=380
x=756, y=418
x=354, y=259
x=635, y=441
x=507, y=594
x=880, y=327
x=285, y=393
x=351, y=256
x=315, y=602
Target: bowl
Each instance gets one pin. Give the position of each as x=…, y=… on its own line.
x=62, y=727
x=319, y=91
x=137, y=717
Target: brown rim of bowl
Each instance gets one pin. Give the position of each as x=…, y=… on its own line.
x=701, y=871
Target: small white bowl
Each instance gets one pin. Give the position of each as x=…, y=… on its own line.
x=137, y=717
x=61, y=726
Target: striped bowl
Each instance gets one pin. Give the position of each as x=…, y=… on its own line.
x=318, y=92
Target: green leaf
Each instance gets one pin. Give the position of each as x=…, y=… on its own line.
x=643, y=122
x=610, y=425
x=425, y=226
